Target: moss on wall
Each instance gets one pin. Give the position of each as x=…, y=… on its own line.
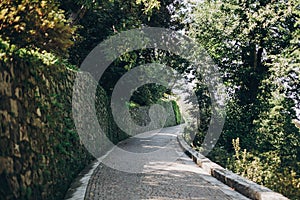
x=178, y=117
x=141, y=116
x=40, y=150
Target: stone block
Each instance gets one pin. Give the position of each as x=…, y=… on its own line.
x=18, y=93
x=17, y=151
x=6, y=164
x=14, y=107
x=5, y=84
x=23, y=134
x=14, y=184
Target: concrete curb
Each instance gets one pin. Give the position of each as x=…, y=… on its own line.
x=242, y=185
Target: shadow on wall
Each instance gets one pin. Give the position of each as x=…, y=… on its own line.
x=40, y=150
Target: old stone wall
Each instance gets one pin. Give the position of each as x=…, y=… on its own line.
x=40, y=150
x=140, y=115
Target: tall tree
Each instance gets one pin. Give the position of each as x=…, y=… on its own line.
x=242, y=36
x=256, y=46
x=97, y=20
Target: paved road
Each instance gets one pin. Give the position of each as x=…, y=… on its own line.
x=152, y=166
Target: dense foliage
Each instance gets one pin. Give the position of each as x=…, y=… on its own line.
x=35, y=24
x=256, y=46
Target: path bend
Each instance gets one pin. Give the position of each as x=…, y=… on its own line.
x=153, y=166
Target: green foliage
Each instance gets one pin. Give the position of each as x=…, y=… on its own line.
x=256, y=47
x=149, y=6
x=246, y=164
x=277, y=132
x=148, y=94
x=265, y=169
x=97, y=20
x=34, y=56
x=101, y=19
x=177, y=112
x=204, y=101
x=237, y=35
x=35, y=24
x=141, y=114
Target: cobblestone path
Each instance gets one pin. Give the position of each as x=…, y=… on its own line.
x=153, y=166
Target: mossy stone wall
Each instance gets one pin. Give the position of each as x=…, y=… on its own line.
x=40, y=150
x=140, y=115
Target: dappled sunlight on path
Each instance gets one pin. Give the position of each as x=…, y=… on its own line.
x=163, y=172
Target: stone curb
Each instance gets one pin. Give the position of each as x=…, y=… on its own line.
x=242, y=185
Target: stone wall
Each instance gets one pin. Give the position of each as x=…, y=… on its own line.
x=140, y=115
x=40, y=150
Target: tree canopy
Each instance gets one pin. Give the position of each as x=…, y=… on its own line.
x=256, y=47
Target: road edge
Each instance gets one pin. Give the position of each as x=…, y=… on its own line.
x=242, y=185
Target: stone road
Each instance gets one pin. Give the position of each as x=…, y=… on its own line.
x=153, y=166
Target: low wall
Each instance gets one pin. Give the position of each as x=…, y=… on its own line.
x=242, y=185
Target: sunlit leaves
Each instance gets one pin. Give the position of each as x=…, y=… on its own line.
x=256, y=46
x=149, y=5
x=35, y=24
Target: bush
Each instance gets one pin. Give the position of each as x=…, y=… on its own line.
x=265, y=169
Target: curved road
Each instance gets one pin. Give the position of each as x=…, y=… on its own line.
x=152, y=166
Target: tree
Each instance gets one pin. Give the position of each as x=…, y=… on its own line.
x=241, y=37
x=97, y=20
x=35, y=24
x=275, y=126
x=256, y=46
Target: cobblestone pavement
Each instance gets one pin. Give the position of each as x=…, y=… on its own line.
x=171, y=176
